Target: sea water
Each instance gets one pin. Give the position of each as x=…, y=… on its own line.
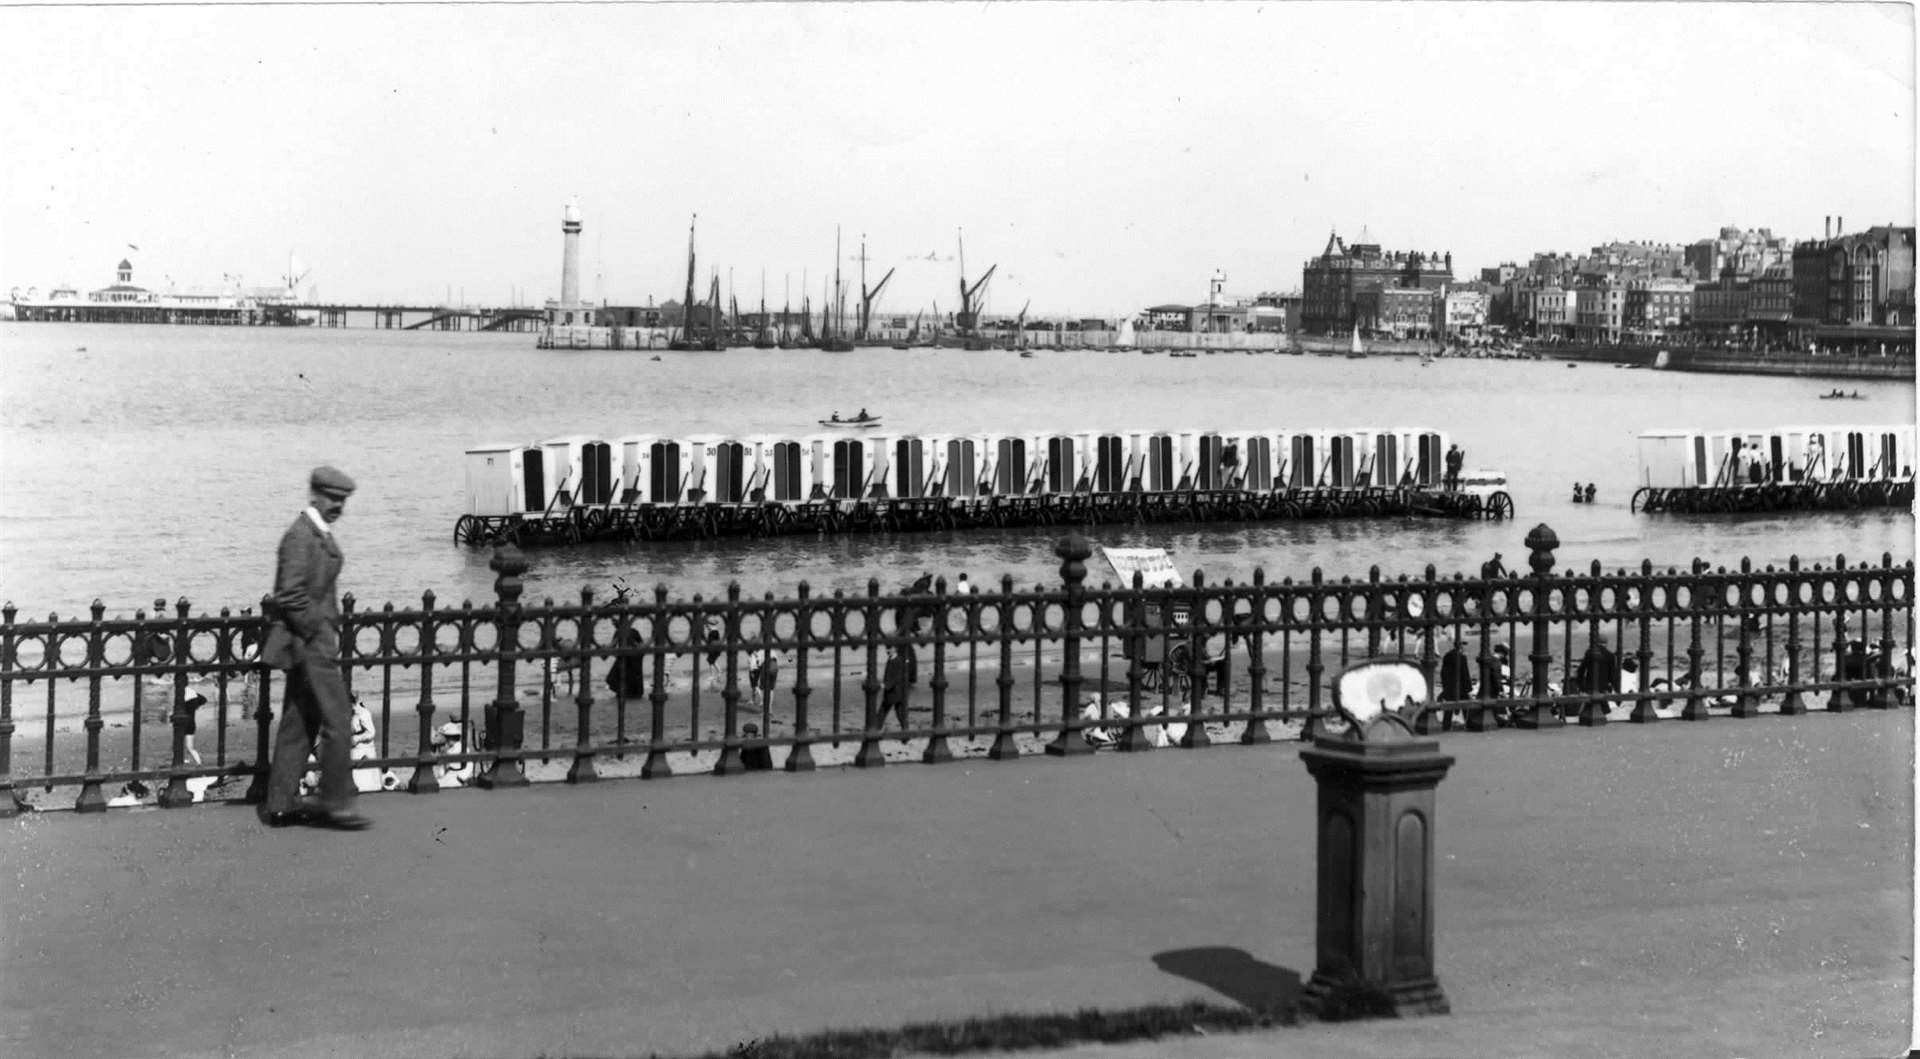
x=152, y=462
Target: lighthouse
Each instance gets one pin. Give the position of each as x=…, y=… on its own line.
x=570, y=256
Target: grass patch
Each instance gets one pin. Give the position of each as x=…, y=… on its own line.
x=1007, y=1033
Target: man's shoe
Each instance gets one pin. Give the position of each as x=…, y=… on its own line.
x=342, y=821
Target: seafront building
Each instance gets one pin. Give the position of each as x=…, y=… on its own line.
x=1363, y=287
x=1844, y=292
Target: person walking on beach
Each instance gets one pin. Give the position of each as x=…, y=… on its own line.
x=303, y=639
x=895, y=680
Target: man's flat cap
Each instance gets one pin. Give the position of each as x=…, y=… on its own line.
x=330, y=480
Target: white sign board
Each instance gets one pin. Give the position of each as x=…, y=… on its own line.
x=1154, y=565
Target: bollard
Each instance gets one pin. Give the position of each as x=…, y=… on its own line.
x=1374, y=939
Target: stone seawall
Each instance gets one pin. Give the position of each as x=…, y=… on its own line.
x=1794, y=364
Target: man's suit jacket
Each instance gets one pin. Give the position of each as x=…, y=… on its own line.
x=305, y=615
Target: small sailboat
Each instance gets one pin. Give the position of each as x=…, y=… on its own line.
x=1357, y=350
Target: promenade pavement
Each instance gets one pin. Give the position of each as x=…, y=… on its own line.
x=1733, y=888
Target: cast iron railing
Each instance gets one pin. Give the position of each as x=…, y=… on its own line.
x=1007, y=673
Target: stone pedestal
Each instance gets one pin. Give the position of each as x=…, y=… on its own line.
x=1374, y=944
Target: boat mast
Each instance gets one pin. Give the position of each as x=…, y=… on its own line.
x=686, y=307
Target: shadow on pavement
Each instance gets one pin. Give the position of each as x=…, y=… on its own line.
x=1258, y=986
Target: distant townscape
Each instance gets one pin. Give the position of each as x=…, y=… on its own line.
x=1845, y=293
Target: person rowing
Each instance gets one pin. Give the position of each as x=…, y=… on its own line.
x=862, y=417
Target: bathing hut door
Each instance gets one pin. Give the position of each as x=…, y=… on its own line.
x=1211, y=472
x=1257, y=458
x=1342, y=447
x=533, y=468
x=788, y=483
x=1702, y=472
x=849, y=469
x=1856, y=455
x=1010, y=465
x=1386, y=460
x=1305, y=464
x=1110, y=464
x=729, y=485
x=1160, y=468
x=1063, y=471
x=909, y=468
x=596, y=470
x=663, y=478
x=961, y=477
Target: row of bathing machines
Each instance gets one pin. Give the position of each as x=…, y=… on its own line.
x=648, y=483
x=1775, y=469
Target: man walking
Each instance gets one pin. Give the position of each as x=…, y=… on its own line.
x=303, y=639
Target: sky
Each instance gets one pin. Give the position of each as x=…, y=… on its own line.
x=1104, y=157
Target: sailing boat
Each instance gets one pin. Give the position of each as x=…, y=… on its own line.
x=687, y=341
x=971, y=303
x=763, y=328
x=1357, y=351
x=833, y=326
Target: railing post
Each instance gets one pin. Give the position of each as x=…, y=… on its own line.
x=425, y=759
x=1134, y=738
x=1793, y=703
x=1837, y=700
x=9, y=796
x=1541, y=542
x=92, y=799
x=1196, y=733
x=1316, y=602
x=1072, y=551
x=1256, y=730
x=1696, y=707
x=800, y=758
x=870, y=755
x=1643, y=708
x=176, y=793
x=1883, y=697
x=505, y=722
x=1005, y=747
x=582, y=770
x=1745, y=704
x=262, y=715
x=656, y=766
x=1428, y=623
x=730, y=761
x=939, y=747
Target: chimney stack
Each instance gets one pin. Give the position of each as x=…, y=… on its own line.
x=1839, y=226
x=1828, y=232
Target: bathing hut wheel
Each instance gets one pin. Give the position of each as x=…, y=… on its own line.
x=1500, y=506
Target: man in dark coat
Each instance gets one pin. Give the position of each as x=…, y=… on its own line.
x=303, y=639
x=1599, y=671
x=627, y=677
x=899, y=675
x=1456, y=682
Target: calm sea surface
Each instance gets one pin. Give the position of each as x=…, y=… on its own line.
x=147, y=462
